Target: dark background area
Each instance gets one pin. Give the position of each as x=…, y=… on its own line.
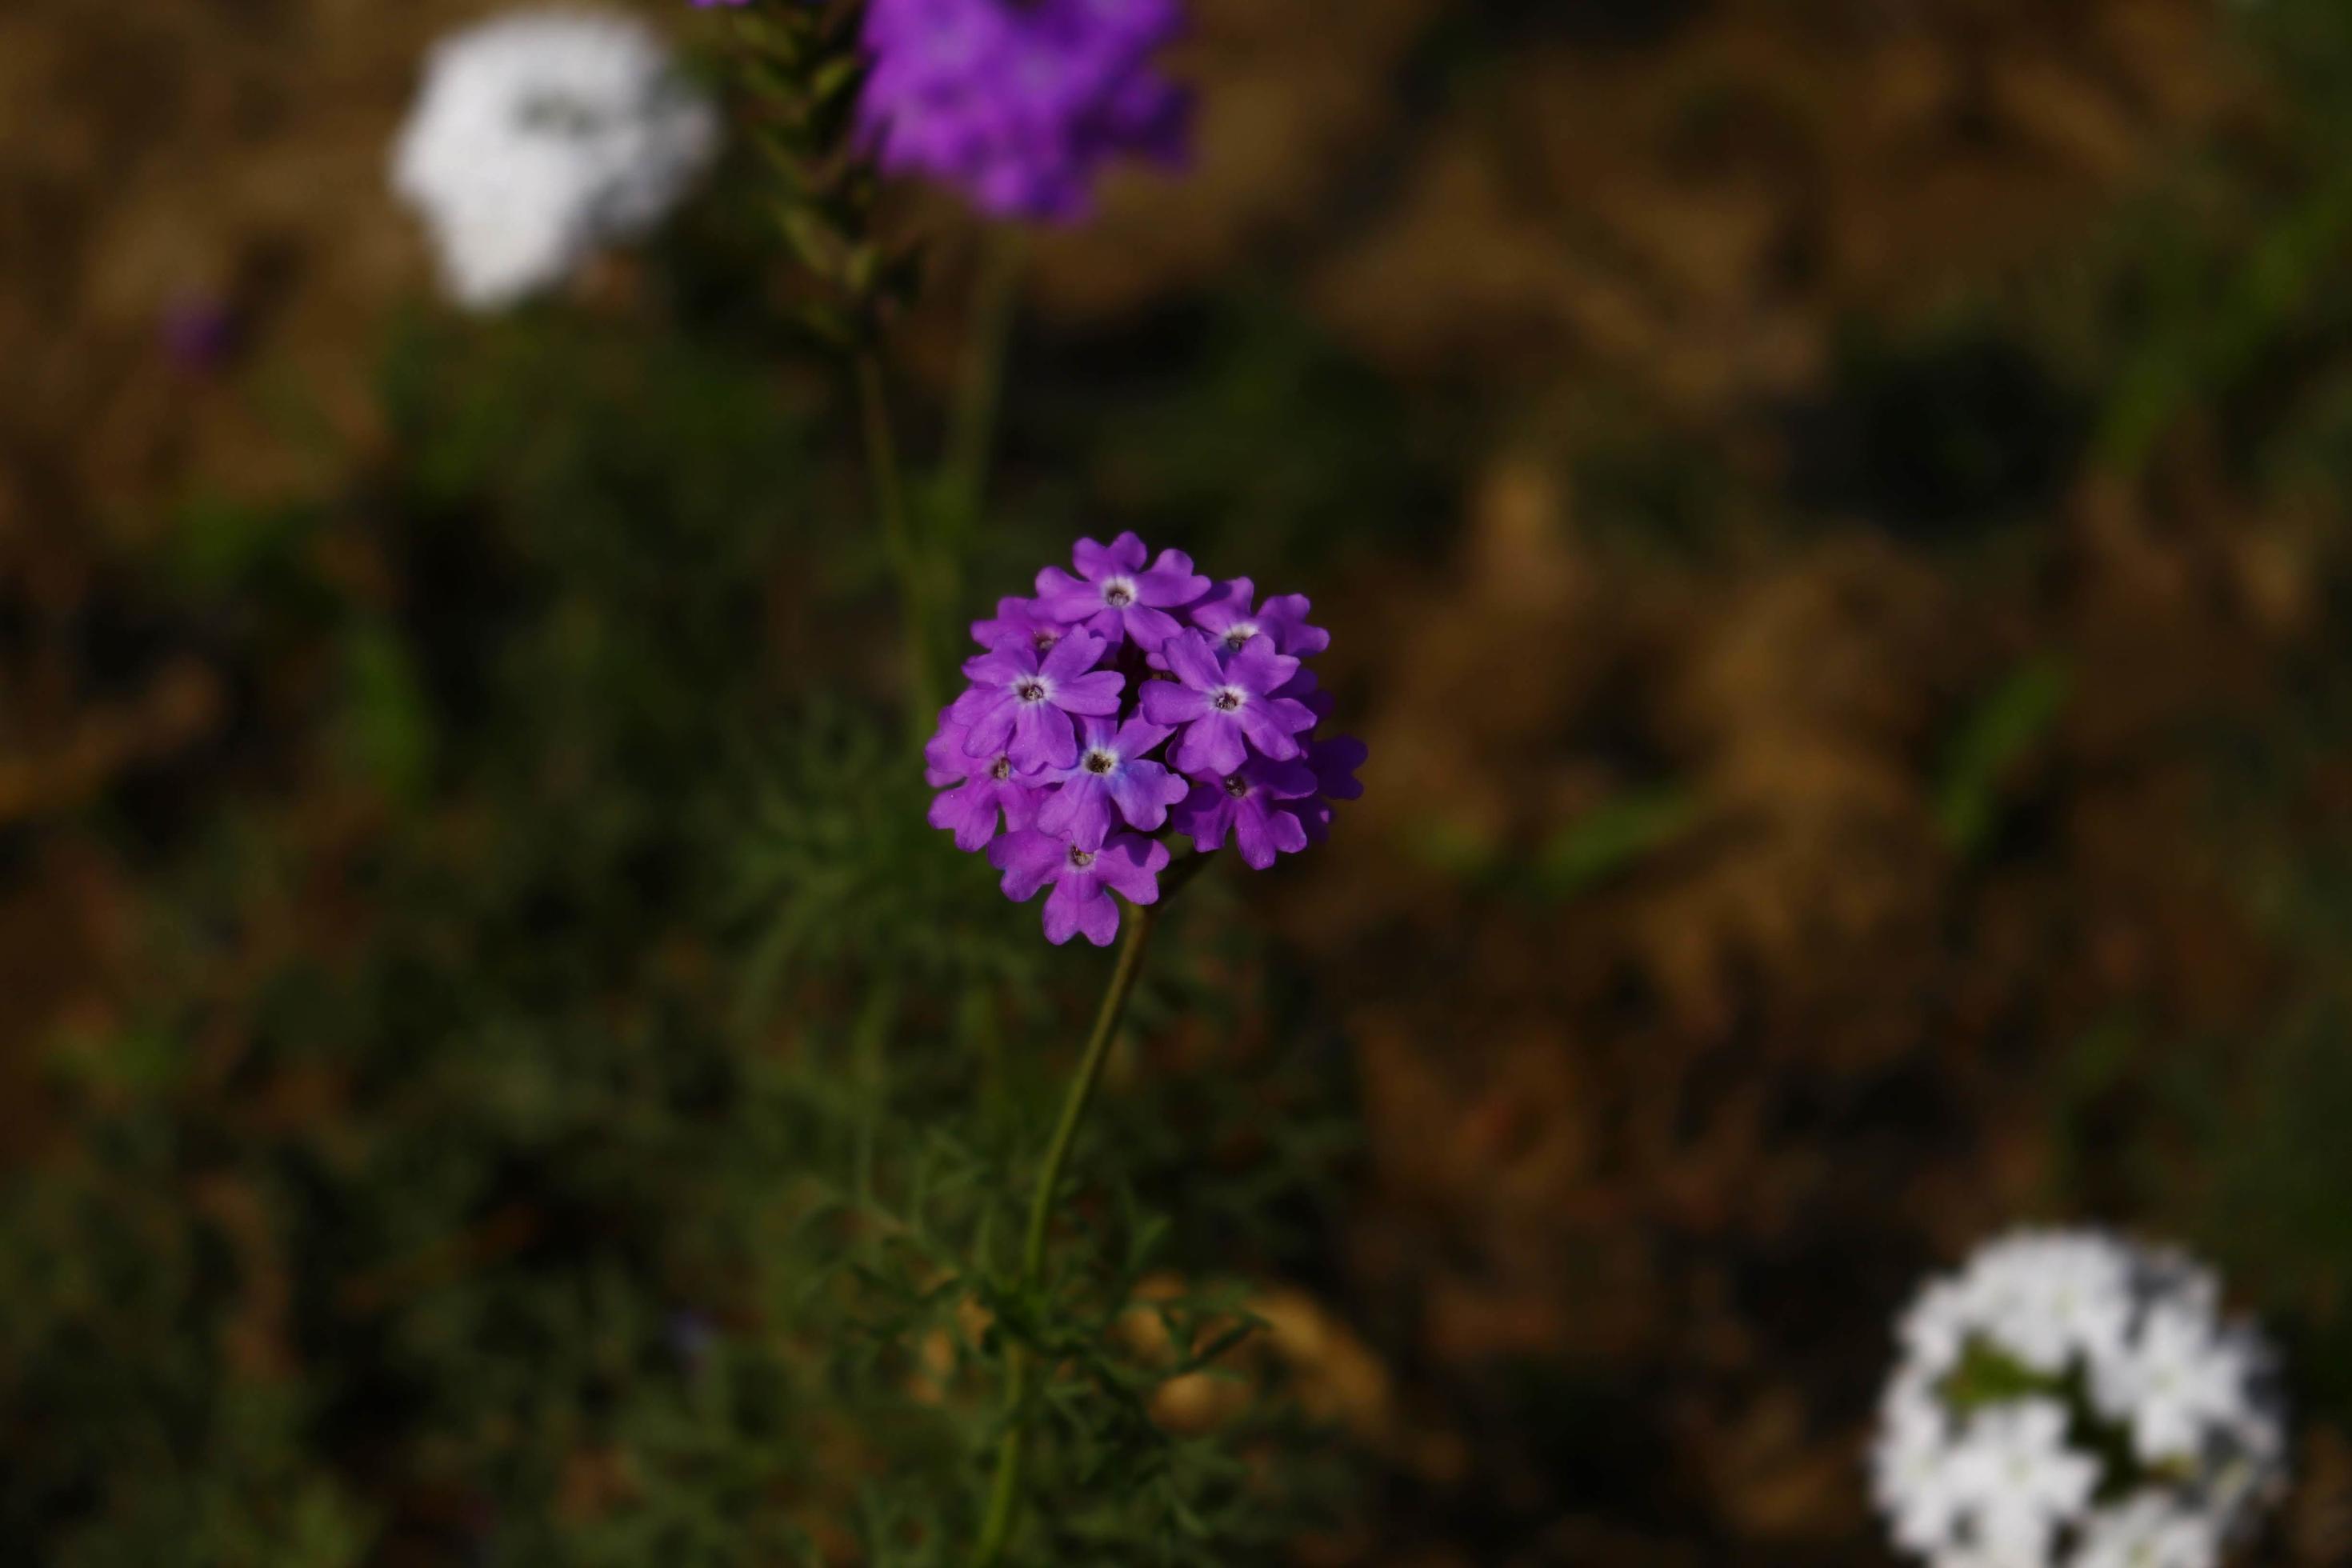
x=1832, y=519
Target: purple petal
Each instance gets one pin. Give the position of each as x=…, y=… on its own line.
x=1019, y=802
x=1041, y=737
x=943, y=758
x=1078, y=905
x=1227, y=603
x=1138, y=736
x=1029, y=860
x=1073, y=656
x=1171, y=581
x=1148, y=626
x=1144, y=791
x=1122, y=556
x=1286, y=614
x=1052, y=582
x=1002, y=666
x=1211, y=744
x=1258, y=668
x=1165, y=702
x=1078, y=811
x=969, y=810
x=1095, y=693
x=1080, y=604
x=1099, y=731
x=989, y=731
x=1192, y=661
x=1133, y=865
x=1260, y=833
x=1205, y=815
x=1280, y=780
x=1266, y=730
x=1335, y=763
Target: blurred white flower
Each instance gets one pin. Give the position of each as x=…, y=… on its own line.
x=2072, y=1400
x=539, y=137
x=2180, y=1378
x=2148, y=1532
x=2018, y=1479
x=1913, y=1474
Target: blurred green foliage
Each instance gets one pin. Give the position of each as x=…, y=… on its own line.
x=575, y=1107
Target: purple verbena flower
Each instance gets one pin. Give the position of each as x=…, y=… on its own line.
x=1226, y=705
x=1021, y=620
x=986, y=787
x=1117, y=597
x=1019, y=696
x=1019, y=103
x=1082, y=806
x=1225, y=614
x=1082, y=879
x=1112, y=771
x=1249, y=805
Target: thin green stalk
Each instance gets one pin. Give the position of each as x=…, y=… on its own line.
x=1004, y=1493
x=898, y=538
x=980, y=394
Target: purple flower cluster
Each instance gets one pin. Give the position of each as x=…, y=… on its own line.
x=1018, y=103
x=1053, y=763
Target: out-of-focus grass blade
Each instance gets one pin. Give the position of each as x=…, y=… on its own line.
x=2005, y=725
x=1610, y=838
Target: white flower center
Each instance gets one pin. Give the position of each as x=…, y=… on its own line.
x=1228, y=699
x=1119, y=593
x=1099, y=762
x=1032, y=690
x=1239, y=633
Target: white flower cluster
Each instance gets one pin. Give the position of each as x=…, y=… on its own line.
x=2073, y=1399
x=539, y=137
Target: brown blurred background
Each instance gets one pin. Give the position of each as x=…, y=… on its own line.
x=1830, y=516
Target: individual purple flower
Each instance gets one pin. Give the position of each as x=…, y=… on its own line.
x=986, y=787
x=1221, y=704
x=1112, y=771
x=1225, y=614
x=1019, y=103
x=1334, y=763
x=1020, y=698
x=1117, y=597
x=1021, y=620
x=1082, y=879
x=1248, y=803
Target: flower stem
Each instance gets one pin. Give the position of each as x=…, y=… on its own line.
x=971, y=439
x=897, y=539
x=1005, y=1493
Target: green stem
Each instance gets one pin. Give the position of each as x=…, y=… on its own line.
x=971, y=438
x=1005, y=1493
x=898, y=538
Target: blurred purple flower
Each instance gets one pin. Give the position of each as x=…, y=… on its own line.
x=1019, y=103
x=201, y=333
